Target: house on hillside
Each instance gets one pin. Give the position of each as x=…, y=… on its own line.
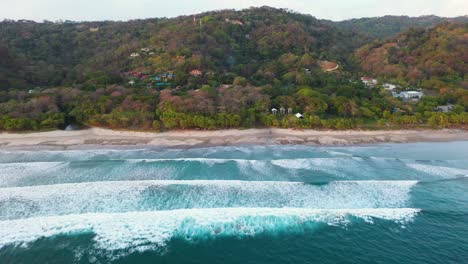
x=282, y=110
x=196, y=73
x=389, y=86
x=93, y=29
x=145, y=49
x=274, y=111
x=444, y=108
x=369, y=82
x=409, y=95
x=299, y=116
x=134, y=55
x=234, y=22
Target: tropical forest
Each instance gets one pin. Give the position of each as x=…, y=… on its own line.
x=257, y=67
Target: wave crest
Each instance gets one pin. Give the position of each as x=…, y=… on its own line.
x=141, y=231
x=128, y=196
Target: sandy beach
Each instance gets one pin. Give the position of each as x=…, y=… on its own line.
x=97, y=137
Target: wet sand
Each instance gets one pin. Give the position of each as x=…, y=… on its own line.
x=97, y=137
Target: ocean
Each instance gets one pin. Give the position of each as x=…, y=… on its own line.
x=388, y=203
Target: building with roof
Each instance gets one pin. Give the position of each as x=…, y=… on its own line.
x=389, y=86
x=369, y=82
x=409, y=95
x=196, y=73
x=282, y=110
x=444, y=108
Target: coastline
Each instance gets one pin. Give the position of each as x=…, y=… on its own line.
x=105, y=138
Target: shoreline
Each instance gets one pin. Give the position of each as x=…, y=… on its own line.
x=94, y=138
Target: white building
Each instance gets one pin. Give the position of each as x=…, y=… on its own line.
x=369, y=82
x=134, y=55
x=409, y=95
x=282, y=110
x=389, y=86
x=445, y=108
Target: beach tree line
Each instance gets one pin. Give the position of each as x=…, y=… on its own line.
x=338, y=106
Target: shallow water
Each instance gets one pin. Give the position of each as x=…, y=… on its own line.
x=404, y=203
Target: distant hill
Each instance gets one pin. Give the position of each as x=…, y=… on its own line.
x=264, y=45
x=432, y=58
x=389, y=26
x=245, y=43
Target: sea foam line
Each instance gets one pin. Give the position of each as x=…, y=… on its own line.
x=140, y=231
x=37, y=165
x=206, y=183
x=201, y=160
x=445, y=172
x=125, y=196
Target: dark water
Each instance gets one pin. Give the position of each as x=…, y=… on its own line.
x=403, y=203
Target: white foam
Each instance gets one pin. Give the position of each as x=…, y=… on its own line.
x=306, y=163
x=207, y=161
x=340, y=154
x=59, y=155
x=329, y=165
x=41, y=173
x=12, y=172
x=445, y=172
x=124, y=196
x=10, y=168
x=140, y=231
x=161, y=169
x=245, y=165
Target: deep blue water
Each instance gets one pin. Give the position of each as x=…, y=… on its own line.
x=392, y=203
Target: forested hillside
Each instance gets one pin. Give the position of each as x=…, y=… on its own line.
x=429, y=58
x=224, y=44
x=389, y=26
x=225, y=69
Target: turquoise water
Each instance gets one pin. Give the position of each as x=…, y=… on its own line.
x=405, y=203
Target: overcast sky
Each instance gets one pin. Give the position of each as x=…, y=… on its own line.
x=80, y=10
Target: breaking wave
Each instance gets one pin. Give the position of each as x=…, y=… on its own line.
x=126, y=196
x=300, y=169
x=444, y=172
x=142, y=231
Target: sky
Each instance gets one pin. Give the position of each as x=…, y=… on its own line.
x=92, y=10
